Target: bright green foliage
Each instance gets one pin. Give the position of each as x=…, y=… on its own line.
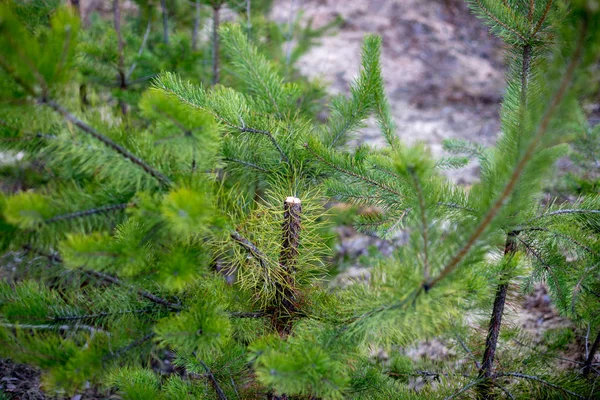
x=188, y=223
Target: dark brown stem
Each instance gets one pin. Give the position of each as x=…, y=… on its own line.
x=121, y=76
x=487, y=365
x=590, y=359
x=165, y=18
x=196, y=26
x=286, y=306
x=292, y=211
x=215, y=40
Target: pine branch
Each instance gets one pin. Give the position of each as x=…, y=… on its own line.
x=135, y=343
x=291, y=226
x=251, y=248
x=558, y=235
x=568, y=211
x=121, y=55
x=519, y=169
x=506, y=392
x=353, y=174
x=536, y=379
x=86, y=213
x=267, y=134
x=497, y=21
x=106, y=141
x=145, y=294
x=242, y=314
x=541, y=260
x=213, y=381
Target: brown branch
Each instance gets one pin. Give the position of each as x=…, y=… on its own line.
x=518, y=171
x=542, y=19
x=487, y=365
x=243, y=314
x=531, y=10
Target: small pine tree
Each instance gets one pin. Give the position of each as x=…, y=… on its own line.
x=197, y=226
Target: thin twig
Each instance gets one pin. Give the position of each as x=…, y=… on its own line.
x=464, y=389
x=141, y=49
x=147, y=295
x=536, y=379
x=77, y=327
x=213, y=381
x=466, y=349
x=85, y=213
x=245, y=163
x=271, y=138
x=131, y=345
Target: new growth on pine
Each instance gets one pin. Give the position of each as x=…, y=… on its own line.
x=169, y=202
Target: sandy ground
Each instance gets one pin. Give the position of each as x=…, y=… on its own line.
x=443, y=72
